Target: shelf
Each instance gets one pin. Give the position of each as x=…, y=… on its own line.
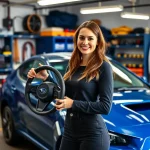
x=117, y=58
x=61, y=37
x=5, y=70
x=7, y=60
x=20, y=36
x=51, y=44
x=131, y=50
x=26, y=36
x=5, y=55
x=127, y=46
x=126, y=36
x=5, y=36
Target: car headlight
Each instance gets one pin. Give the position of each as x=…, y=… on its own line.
x=118, y=140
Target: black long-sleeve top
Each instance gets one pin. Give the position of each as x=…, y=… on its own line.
x=94, y=97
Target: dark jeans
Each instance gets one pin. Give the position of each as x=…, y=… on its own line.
x=84, y=132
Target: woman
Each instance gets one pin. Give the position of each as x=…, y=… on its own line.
x=89, y=91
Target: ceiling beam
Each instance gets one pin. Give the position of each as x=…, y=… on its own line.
x=135, y=6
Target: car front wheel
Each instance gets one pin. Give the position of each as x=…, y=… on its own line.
x=9, y=133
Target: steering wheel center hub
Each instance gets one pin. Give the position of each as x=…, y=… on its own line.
x=45, y=92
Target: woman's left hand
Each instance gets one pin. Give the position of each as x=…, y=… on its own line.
x=63, y=103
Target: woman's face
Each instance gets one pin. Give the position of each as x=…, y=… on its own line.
x=86, y=41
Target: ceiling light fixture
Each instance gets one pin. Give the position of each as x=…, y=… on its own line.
x=101, y=9
x=131, y=15
x=51, y=2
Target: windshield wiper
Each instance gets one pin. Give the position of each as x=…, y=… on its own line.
x=131, y=88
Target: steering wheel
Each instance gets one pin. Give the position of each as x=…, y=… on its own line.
x=45, y=92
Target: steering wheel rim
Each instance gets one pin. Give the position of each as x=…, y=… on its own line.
x=60, y=96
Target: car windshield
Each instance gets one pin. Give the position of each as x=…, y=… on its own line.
x=60, y=66
x=123, y=79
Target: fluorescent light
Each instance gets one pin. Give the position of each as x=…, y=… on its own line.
x=131, y=15
x=101, y=9
x=51, y=2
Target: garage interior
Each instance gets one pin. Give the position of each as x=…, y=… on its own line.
x=30, y=27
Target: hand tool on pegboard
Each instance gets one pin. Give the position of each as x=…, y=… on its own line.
x=24, y=50
x=16, y=58
x=8, y=22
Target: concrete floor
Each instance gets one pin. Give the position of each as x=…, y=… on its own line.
x=23, y=146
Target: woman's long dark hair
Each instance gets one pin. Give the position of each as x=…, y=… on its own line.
x=96, y=59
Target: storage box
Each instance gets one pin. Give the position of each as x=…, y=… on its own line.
x=69, y=33
x=53, y=31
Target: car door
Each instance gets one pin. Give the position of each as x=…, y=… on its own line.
x=18, y=91
x=41, y=128
x=47, y=127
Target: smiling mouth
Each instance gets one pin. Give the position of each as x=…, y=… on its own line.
x=85, y=48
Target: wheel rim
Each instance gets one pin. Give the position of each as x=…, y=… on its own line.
x=34, y=23
x=7, y=125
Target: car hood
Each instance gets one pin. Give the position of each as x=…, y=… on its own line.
x=130, y=109
x=141, y=130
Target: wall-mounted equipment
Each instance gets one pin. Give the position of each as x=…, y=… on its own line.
x=25, y=50
x=32, y=23
x=8, y=22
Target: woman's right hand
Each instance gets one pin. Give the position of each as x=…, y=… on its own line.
x=41, y=75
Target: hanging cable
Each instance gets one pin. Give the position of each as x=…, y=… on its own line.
x=24, y=49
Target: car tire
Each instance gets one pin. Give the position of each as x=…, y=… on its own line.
x=9, y=133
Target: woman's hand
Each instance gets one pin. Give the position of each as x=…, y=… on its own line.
x=64, y=103
x=41, y=75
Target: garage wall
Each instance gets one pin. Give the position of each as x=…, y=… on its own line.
x=23, y=11
x=15, y=11
x=109, y=20
x=1, y=15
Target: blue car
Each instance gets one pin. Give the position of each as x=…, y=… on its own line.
x=128, y=122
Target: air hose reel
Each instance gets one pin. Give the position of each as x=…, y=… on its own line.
x=32, y=23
